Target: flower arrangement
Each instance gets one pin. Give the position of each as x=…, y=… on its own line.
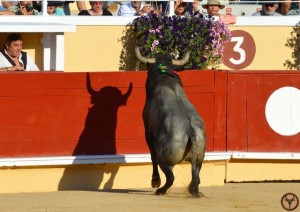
x=174, y=35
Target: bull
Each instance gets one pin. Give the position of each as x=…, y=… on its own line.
x=174, y=130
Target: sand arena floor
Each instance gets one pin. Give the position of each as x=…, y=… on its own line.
x=231, y=197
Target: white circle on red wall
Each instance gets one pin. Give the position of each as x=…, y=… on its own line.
x=283, y=111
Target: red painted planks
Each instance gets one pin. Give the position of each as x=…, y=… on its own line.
x=52, y=113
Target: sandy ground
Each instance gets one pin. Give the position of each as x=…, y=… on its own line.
x=231, y=197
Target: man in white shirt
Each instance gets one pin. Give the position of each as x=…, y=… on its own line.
x=12, y=58
x=268, y=9
x=134, y=8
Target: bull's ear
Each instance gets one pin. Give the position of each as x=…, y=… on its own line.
x=141, y=58
x=183, y=61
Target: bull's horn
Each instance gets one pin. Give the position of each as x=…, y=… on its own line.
x=126, y=95
x=91, y=91
x=183, y=61
x=141, y=58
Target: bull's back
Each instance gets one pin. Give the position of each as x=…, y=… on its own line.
x=165, y=113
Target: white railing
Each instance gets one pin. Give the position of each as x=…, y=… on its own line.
x=139, y=158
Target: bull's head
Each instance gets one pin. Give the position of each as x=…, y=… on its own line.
x=143, y=59
x=121, y=99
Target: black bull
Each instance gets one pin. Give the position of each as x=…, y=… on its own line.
x=174, y=130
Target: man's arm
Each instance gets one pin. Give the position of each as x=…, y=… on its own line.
x=5, y=69
x=12, y=68
x=6, y=12
x=6, y=4
x=5, y=65
x=125, y=11
x=81, y=5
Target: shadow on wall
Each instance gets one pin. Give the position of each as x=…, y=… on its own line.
x=128, y=61
x=97, y=138
x=88, y=177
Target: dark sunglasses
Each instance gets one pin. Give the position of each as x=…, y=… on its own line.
x=269, y=5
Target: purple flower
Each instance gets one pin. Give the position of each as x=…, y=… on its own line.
x=175, y=35
x=152, y=31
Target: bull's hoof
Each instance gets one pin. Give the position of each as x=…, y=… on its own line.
x=160, y=191
x=194, y=192
x=197, y=195
x=155, y=183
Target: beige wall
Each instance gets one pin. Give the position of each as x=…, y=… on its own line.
x=271, y=51
x=262, y=170
x=95, y=177
x=111, y=48
x=126, y=176
x=94, y=48
x=99, y=48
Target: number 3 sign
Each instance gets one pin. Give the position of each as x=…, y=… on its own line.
x=240, y=51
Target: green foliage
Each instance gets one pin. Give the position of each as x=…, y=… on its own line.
x=294, y=43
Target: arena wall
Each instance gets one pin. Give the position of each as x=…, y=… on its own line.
x=45, y=115
x=57, y=135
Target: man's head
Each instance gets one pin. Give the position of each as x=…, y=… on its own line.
x=23, y=3
x=50, y=9
x=13, y=44
x=270, y=8
x=213, y=7
x=180, y=8
x=136, y=4
x=26, y=4
x=96, y=4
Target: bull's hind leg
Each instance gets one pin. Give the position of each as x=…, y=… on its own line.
x=168, y=171
x=198, y=140
x=155, y=182
x=194, y=185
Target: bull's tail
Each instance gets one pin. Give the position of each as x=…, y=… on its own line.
x=198, y=141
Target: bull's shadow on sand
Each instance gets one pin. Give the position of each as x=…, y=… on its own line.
x=97, y=138
x=178, y=193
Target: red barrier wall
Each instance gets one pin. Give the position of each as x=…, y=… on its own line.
x=247, y=126
x=53, y=114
